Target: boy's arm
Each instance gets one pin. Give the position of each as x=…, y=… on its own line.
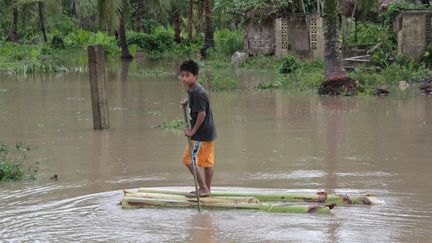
x=200, y=119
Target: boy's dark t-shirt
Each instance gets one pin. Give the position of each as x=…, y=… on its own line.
x=199, y=101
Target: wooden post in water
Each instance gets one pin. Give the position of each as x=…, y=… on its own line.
x=96, y=62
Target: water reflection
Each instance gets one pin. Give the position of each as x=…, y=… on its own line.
x=202, y=229
x=125, y=69
x=334, y=109
x=101, y=156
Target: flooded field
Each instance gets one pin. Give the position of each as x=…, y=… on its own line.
x=266, y=139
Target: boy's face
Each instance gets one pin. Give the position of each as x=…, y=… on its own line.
x=187, y=78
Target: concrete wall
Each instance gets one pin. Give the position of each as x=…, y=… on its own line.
x=259, y=38
x=413, y=30
x=299, y=35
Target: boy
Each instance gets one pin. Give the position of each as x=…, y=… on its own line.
x=203, y=132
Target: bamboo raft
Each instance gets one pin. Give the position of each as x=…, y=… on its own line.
x=319, y=197
x=281, y=202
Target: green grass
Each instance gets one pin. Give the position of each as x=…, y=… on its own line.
x=220, y=83
x=14, y=165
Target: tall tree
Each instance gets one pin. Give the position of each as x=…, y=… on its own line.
x=83, y=10
x=13, y=32
x=208, y=37
x=113, y=15
x=332, y=53
x=336, y=81
x=125, y=54
x=190, y=16
x=26, y=5
x=178, y=23
x=138, y=14
x=41, y=8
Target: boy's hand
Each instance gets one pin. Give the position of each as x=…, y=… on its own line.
x=188, y=132
x=183, y=103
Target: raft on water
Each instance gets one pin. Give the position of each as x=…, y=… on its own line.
x=280, y=196
x=140, y=199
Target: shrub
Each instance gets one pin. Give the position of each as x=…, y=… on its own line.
x=57, y=42
x=367, y=33
x=302, y=79
x=159, y=41
x=82, y=38
x=228, y=42
x=219, y=83
x=386, y=49
x=393, y=9
x=427, y=57
x=14, y=52
x=77, y=38
x=289, y=65
x=12, y=163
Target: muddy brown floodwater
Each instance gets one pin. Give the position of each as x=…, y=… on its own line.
x=267, y=139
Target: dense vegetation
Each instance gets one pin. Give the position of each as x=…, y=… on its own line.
x=36, y=35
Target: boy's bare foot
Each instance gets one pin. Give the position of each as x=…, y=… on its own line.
x=202, y=193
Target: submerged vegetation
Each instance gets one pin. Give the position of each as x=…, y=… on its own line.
x=32, y=68
x=14, y=165
x=174, y=124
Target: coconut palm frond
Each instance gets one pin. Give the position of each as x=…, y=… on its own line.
x=84, y=7
x=109, y=12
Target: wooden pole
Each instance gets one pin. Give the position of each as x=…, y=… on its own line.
x=96, y=62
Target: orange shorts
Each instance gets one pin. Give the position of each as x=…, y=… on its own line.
x=203, y=152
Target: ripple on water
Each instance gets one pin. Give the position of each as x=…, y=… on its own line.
x=97, y=217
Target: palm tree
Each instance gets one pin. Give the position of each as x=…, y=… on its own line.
x=27, y=4
x=13, y=32
x=41, y=8
x=190, y=15
x=138, y=14
x=336, y=80
x=82, y=10
x=208, y=38
x=113, y=13
x=176, y=16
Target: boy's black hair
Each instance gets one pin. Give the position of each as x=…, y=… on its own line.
x=190, y=66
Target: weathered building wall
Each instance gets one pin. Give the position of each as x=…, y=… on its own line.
x=413, y=30
x=299, y=35
x=296, y=34
x=259, y=38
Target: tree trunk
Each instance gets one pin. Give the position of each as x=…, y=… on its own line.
x=332, y=54
x=198, y=22
x=138, y=16
x=208, y=39
x=13, y=33
x=190, y=19
x=125, y=54
x=336, y=82
x=303, y=6
x=178, y=26
x=41, y=6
